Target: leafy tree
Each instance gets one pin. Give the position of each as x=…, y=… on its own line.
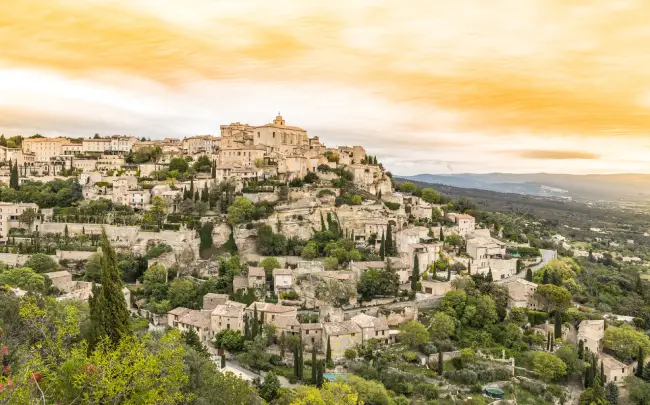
x=378, y=282
x=408, y=187
x=430, y=195
x=413, y=334
x=41, y=263
x=24, y=278
x=638, y=391
x=548, y=367
x=330, y=394
x=182, y=293
x=518, y=316
x=442, y=326
x=625, y=341
x=256, y=354
x=203, y=164
x=454, y=240
x=553, y=297
x=179, y=164
x=486, y=313
x=27, y=217
x=109, y=315
x=370, y=392
x=269, y=264
x=270, y=387
x=569, y=355
x=241, y=210
x=157, y=211
x=350, y=354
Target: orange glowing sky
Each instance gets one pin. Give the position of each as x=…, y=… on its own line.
x=427, y=85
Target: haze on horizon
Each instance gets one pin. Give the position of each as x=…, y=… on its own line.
x=556, y=86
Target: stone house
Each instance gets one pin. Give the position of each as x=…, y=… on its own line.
x=282, y=280
x=616, y=371
x=521, y=294
x=185, y=319
x=61, y=280
x=465, y=224
x=312, y=334
x=229, y=315
x=592, y=333
x=372, y=328
x=272, y=312
x=342, y=336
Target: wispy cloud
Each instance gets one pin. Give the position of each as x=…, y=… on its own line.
x=554, y=154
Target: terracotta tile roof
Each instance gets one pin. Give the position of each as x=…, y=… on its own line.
x=341, y=328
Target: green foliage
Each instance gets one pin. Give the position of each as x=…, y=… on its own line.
x=230, y=340
x=109, y=315
x=378, y=282
x=625, y=341
x=41, y=263
x=24, y=278
x=269, y=264
x=350, y=354
x=241, y=210
x=442, y=326
x=413, y=334
x=191, y=339
x=430, y=195
x=553, y=297
x=206, y=243
x=158, y=250
x=270, y=387
x=182, y=293
x=408, y=187
x=548, y=367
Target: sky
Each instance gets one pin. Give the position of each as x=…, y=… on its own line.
x=429, y=86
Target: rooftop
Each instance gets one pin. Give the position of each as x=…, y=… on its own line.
x=200, y=319
x=256, y=272
x=282, y=272
x=58, y=274
x=230, y=309
x=268, y=307
x=311, y=326
x=367, y=321
x=341, y=328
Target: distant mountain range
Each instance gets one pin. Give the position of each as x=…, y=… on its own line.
x=608, y=187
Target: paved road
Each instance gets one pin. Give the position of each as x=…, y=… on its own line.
x=547, y=256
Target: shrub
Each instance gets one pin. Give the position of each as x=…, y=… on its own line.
x=350, y=354
x=289, y=295
x=325, y=192
x=157, y=251
x=426, y=390
x=411, y=357
x=392, y=206
x=537, y=317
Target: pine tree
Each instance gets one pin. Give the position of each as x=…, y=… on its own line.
x=314, y=366
x=640, y=358
x=558, y=325
x=255, y=325
x=611, y=393
x=389, y=241
x=382, y=247
x=441, y=363
x=529, y=275
x=328, y=353
x=415, y=277
x=109, y=315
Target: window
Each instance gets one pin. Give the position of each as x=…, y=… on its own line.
x=274, y=134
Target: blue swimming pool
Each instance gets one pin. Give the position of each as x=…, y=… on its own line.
x=334, y=376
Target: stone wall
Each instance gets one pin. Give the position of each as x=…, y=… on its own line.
x=261, y=197
x=74, y=255
x=13, y=259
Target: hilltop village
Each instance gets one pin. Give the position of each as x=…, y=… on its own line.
x=263, y=243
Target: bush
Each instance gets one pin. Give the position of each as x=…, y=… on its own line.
x=157, y=251
x=426, y=391
x=411, y=357
x=391, y=205
x=289, y=295
x=350, y=354
x=325, y=192
x=537, y=317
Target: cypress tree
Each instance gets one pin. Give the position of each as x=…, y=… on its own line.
x=552, y=342
x=323, y=228
x=558, y=324
x=602, y=374
x=469, y=267
x=196, y=195
x=611, y=393
x=581, y=350
x=204, y=193
x=529, y=275
x=548, y=341
x=415, y=276
x=223, y=361
x=587, y=377
x=314, y=367
x=382, y=247
x=296, y=359
x=261, y=320
x=65, y=231
x=328, y=353
x=489, y=275
x=319, y=374
x=442, y=236
x=283, y=344
x=13, y=178
x=545, y=277
x=109, y=315
x=330, y=223
x=255, y=325
x=441, y=363
x=301, y=364
x=448, y=273
x=640, y=357
x=191, y=192
x=247, y=328
x=214, y=169
x=389, y=241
